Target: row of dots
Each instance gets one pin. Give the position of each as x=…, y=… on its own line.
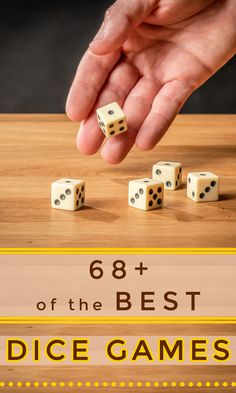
x=121, y=384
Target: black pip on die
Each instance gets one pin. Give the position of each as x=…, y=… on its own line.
x=202, y=186
x=111, y=119
x=146, y=194
x=68, y=194
x=168, y=172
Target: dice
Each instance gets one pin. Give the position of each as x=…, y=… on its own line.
x=168, y=172
x=68, y=194
x=202, y=186
x=111, y=119
x=146, y=194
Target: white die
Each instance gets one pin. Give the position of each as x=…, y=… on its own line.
x=168, y=172
x=68, y=194
x=111, y=119
x=146, y=194
x=202, y=186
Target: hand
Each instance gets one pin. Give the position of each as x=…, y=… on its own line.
x=149, y=56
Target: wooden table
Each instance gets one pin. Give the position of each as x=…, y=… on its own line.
x=37, y=149
x=195, y=374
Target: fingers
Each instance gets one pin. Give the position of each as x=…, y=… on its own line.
x=137, y=106
x=117, y=87
x=119, y=19
x=166, y=106
x=170, y=13
x=89, y=137
x=94, y=69
x=91, y=74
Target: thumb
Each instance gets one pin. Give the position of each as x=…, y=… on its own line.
x=119, y=19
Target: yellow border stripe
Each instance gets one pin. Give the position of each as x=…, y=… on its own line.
x=85, y=251
x=119, y=384
x=19, y=320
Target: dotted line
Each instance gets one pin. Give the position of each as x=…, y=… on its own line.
x=130, y=384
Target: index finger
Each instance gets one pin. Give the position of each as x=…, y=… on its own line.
x=91, y=74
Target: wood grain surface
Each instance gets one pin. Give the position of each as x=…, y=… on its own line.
x=136, y=374
x=38, y=149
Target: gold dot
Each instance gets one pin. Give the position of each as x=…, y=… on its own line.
x=10, y=384
x=139, y=384
x=156, y=384
x=113, y=384
x=96, y=384
x=190, y=384
x=165, y=384
x=182, y=384
x=70, y=384
x=199, y=384
x=62, y=384
x=2, y=384
x=216, y=384
x=79, y=384
x=208, y=384
x=44, y=384
x=36, y=384
x=27, y=384
x=225, y=384
x=87, y=384
x=122, y=384
x=233, y=384
x=19, y=384
x=53, y=384
x=130, y=384
x=148, y=384
x=173, y=384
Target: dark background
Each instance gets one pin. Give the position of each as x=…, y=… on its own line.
x=41, y=43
